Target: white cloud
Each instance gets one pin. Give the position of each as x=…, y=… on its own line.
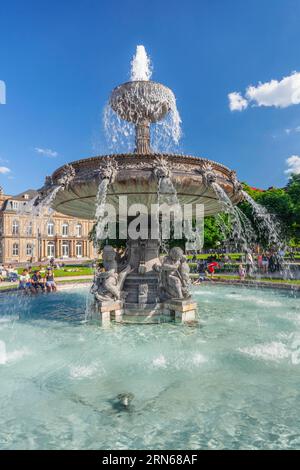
x=237, y=102
x=280, y=94
x=46, y=152
x=4, y=170
x=293, y=164
x=276, y=93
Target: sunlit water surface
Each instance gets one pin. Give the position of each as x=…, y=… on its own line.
x=233, y=382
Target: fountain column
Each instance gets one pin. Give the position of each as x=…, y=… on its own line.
x=142, y=137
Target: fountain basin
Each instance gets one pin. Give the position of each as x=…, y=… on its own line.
x=228, y=382
x=137, y=101
x=136, y=179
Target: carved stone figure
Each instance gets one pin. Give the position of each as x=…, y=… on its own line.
x=109, y=282
x=48, y=182
x=237, y=186
x=208, y=174
x=108, y=170
x=174, y=276
x=67, y=177
x=162, y=169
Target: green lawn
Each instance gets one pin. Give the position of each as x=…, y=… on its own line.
x=68, y=271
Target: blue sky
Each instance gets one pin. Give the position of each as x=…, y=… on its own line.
x=60, y=60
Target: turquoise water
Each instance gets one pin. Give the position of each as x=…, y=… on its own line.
x=233, y=382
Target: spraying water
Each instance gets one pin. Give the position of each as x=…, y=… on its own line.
x=100, y=208
x=107, y=174
x=141, y=68
x=267, y=226
x=137, y=102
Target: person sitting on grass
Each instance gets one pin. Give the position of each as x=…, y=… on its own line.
x=25, y=281
x=50, y=283
x=37, y=281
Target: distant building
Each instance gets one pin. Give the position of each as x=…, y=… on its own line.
x=24, y=238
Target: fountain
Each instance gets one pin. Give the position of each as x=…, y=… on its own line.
x=142, y=286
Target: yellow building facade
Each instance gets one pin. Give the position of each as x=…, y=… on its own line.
x=26, y=238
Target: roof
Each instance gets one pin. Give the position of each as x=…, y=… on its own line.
x=20, y=197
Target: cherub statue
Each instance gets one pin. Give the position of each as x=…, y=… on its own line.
x=108, y=281
x=174, y=275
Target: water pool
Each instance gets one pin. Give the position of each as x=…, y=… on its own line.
x=233, y=382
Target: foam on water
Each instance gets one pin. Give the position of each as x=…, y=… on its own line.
x=13, y=356
x=274, y=351
x=254, y=299
x=78, y=372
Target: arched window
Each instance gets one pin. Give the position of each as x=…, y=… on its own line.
x=29, y=249
x=15, y=249
x=15, y=227
x=50, y=250
x=65, y=249
x=79, y=249
x=65, y=229
x=78, y=230
x=50, y=228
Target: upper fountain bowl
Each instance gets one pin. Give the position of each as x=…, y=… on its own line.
x=142, y=100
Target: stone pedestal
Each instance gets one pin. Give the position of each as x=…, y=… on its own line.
x=181, y=310
x=111, y=310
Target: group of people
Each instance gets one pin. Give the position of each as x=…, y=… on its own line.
x=7, y=272
x=34, y=281
x=270, y=261
x=249, y=264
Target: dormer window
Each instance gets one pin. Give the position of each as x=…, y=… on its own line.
x=15, y=205
x=26, y=196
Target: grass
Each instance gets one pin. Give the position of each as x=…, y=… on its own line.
x=68, y=271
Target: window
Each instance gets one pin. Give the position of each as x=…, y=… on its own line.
x=65, y=229
x=29, y=229
x=15, y=250
x=15, y=205
x=79, y=249
x=50, y=250
x=15, y=227
x=50, y=228
x=29, y=249
x=78, y=230
x=65, y=249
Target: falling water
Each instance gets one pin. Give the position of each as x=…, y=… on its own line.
x=30, y=206
x=267, y=226
x=236, y=231
x=100, y=208
x=165, y=134
x=120, y=134
x=106, y=174
x=167, y=194
x=141, y=68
